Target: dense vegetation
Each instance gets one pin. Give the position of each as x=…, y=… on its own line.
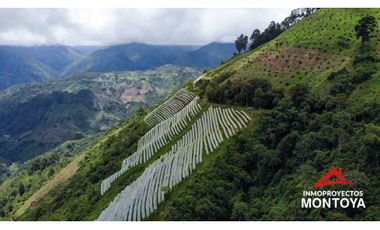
x=261, y=174
x=35, y=116
x=257, y=93
x=25, y=179
x=4, y=172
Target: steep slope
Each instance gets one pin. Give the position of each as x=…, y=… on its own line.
x=139, y=56
x=306, y=53
x=66, y=173
x=36, y=118
x=312, y=94
x=28, y=181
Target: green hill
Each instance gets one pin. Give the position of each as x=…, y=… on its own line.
x=313, y=97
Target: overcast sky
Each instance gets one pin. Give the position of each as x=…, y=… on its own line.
x=116, y=26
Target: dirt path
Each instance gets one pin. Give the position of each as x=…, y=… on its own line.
x=66, y=173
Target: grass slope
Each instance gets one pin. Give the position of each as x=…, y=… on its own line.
x=306, y=53
x=66, y=173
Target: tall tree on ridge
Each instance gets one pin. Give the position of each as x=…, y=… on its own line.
x=241, y=43
x=365, y=27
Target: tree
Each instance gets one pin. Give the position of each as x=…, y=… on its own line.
x=21, y=189
x=241, y=43
x=299, y=94
x=365, y=28
x=255, y=35
x=274, y=29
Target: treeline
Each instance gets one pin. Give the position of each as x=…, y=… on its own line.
x=274, y=29
x=257, y=93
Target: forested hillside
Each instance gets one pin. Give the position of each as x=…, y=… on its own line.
x=36, y=118
x=244, y=141
x=20, y=65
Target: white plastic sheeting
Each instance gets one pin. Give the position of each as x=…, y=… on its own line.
x=155, y=139
x=142, y=197
x=170, y=107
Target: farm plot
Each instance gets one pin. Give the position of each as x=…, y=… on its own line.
x=155, y=139
x=170, y=107
x=142, y=197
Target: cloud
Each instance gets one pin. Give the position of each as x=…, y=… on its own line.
x=116, y=26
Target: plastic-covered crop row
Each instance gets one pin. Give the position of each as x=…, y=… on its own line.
x=170, y=107
x=142, y=197
x=155, y=139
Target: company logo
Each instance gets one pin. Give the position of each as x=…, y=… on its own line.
x=332, y=198
x=334, y=172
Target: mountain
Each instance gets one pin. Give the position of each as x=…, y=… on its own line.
x=139, y=56
x=20, y=65
x=33, y=64
x=244, y=141
x=210, y=55
x=85, y=49
x=35, y=118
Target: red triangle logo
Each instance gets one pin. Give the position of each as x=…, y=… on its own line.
x=325, y=180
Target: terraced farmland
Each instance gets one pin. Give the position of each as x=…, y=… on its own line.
x=142, y=197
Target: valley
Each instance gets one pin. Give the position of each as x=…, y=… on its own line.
x=35, y=118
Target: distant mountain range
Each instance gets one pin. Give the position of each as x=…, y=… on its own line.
x=40, y=63
x=33, y=64
x=139, y=56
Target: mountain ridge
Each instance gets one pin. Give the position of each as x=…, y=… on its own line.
x=141, y=56
x=28, y=64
